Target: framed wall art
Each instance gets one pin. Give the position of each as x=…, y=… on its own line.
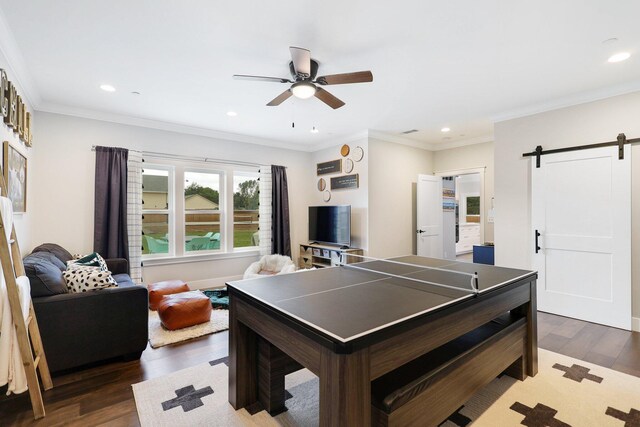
x=14, y=165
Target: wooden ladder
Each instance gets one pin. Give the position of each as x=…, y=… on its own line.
x=33, y=360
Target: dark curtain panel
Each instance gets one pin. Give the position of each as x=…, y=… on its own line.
x=281, y=241
x=110, y=221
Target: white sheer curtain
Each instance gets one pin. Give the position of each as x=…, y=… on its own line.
x=265, y=210
x=134, y=214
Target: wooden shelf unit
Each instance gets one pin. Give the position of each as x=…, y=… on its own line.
x=321, y=256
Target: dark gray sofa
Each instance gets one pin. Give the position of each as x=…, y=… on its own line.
x=82, y=328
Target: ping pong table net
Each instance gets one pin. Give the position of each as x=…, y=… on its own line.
x=365, y=261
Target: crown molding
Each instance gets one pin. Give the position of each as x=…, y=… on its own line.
x=328, y=143
x=382, y=136
x=434, y=146
x=462, y=143
x=568, y=101
x=168, y=126
x=18, y=70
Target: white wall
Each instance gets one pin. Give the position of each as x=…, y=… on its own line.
x=393, y=173
x=357, y=198
x=62, y=184
x=22, y=221
x=588, y=123
x=472, y=157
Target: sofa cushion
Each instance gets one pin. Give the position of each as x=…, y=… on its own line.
x=123, y=279
x=61, y=253
x=44, y=271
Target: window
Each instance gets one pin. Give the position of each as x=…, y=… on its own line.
x=195, y=209
x=156, y=210
x=473, y=205
x=202, y=200
x=246, y=201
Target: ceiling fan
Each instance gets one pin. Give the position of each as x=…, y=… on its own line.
x=305, y=84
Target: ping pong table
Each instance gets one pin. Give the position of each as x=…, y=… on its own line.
x=357, y=322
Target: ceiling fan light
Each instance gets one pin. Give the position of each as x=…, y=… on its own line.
x=303, y=90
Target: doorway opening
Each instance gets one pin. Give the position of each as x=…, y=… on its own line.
x=462, y=213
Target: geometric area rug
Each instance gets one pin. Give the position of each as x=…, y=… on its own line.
x=566, y=392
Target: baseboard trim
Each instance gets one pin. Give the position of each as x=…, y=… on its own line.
x=216, y=282
x=635, y=324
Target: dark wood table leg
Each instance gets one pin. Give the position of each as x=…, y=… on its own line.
x=345, y=389
x=530, y=311
x=272, y=368
x=532, y=332
x=243, y=361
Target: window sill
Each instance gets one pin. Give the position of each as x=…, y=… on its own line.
x=199, y=258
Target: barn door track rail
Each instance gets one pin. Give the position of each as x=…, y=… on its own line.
x=620, y=141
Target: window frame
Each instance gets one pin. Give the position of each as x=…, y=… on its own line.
x=243, y=172
x=177, y=216
x=168, y=211
x=221, y=210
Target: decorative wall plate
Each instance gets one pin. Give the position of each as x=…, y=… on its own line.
x=345, y=150
x=326, y=196
x=322, y=184
x=358, y=153
x=348, y=165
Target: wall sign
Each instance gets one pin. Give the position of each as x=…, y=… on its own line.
x=334, y=166
x=14, y=111
x=345, y=182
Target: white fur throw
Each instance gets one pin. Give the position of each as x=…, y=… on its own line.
x=270, y=264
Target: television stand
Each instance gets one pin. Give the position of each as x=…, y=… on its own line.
x=321, y=256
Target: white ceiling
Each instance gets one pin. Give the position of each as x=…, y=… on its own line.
x=458, y=64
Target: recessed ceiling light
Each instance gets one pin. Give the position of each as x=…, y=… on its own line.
x=619, y=57
x=231, y=113
x=314, y=130
x=107, y=88
x=445, y=130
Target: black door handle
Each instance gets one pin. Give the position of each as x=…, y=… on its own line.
x=420, y=231
x=537, y=234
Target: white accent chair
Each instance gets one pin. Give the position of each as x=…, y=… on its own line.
x=270, y=265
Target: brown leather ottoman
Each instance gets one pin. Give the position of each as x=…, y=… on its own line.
x=179, y=311
x=160, y=289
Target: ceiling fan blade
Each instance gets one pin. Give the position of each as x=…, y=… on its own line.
x=328, y=99
x=261, y=78
x=301, y=58
x=280, y=98
x=341, y=79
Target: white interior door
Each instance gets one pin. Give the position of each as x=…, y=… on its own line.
x=429, y=216
x=581, y=206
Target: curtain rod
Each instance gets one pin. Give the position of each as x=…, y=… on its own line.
x=191, y=158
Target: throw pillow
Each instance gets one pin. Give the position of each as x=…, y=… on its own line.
x=44, y=274
x=92, y=260
x=86, y=278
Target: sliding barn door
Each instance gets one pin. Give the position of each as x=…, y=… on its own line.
x=581, y=217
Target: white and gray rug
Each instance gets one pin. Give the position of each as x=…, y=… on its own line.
x=566, y=392
x=159, y=336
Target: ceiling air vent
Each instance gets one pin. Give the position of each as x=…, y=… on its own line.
x=407, y=132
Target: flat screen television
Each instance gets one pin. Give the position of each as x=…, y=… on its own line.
x=330, y=224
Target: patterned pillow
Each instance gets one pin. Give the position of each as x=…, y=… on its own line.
x=79, y=278
x=91, y=260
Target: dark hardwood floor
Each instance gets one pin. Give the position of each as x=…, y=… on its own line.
x=102, y=395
